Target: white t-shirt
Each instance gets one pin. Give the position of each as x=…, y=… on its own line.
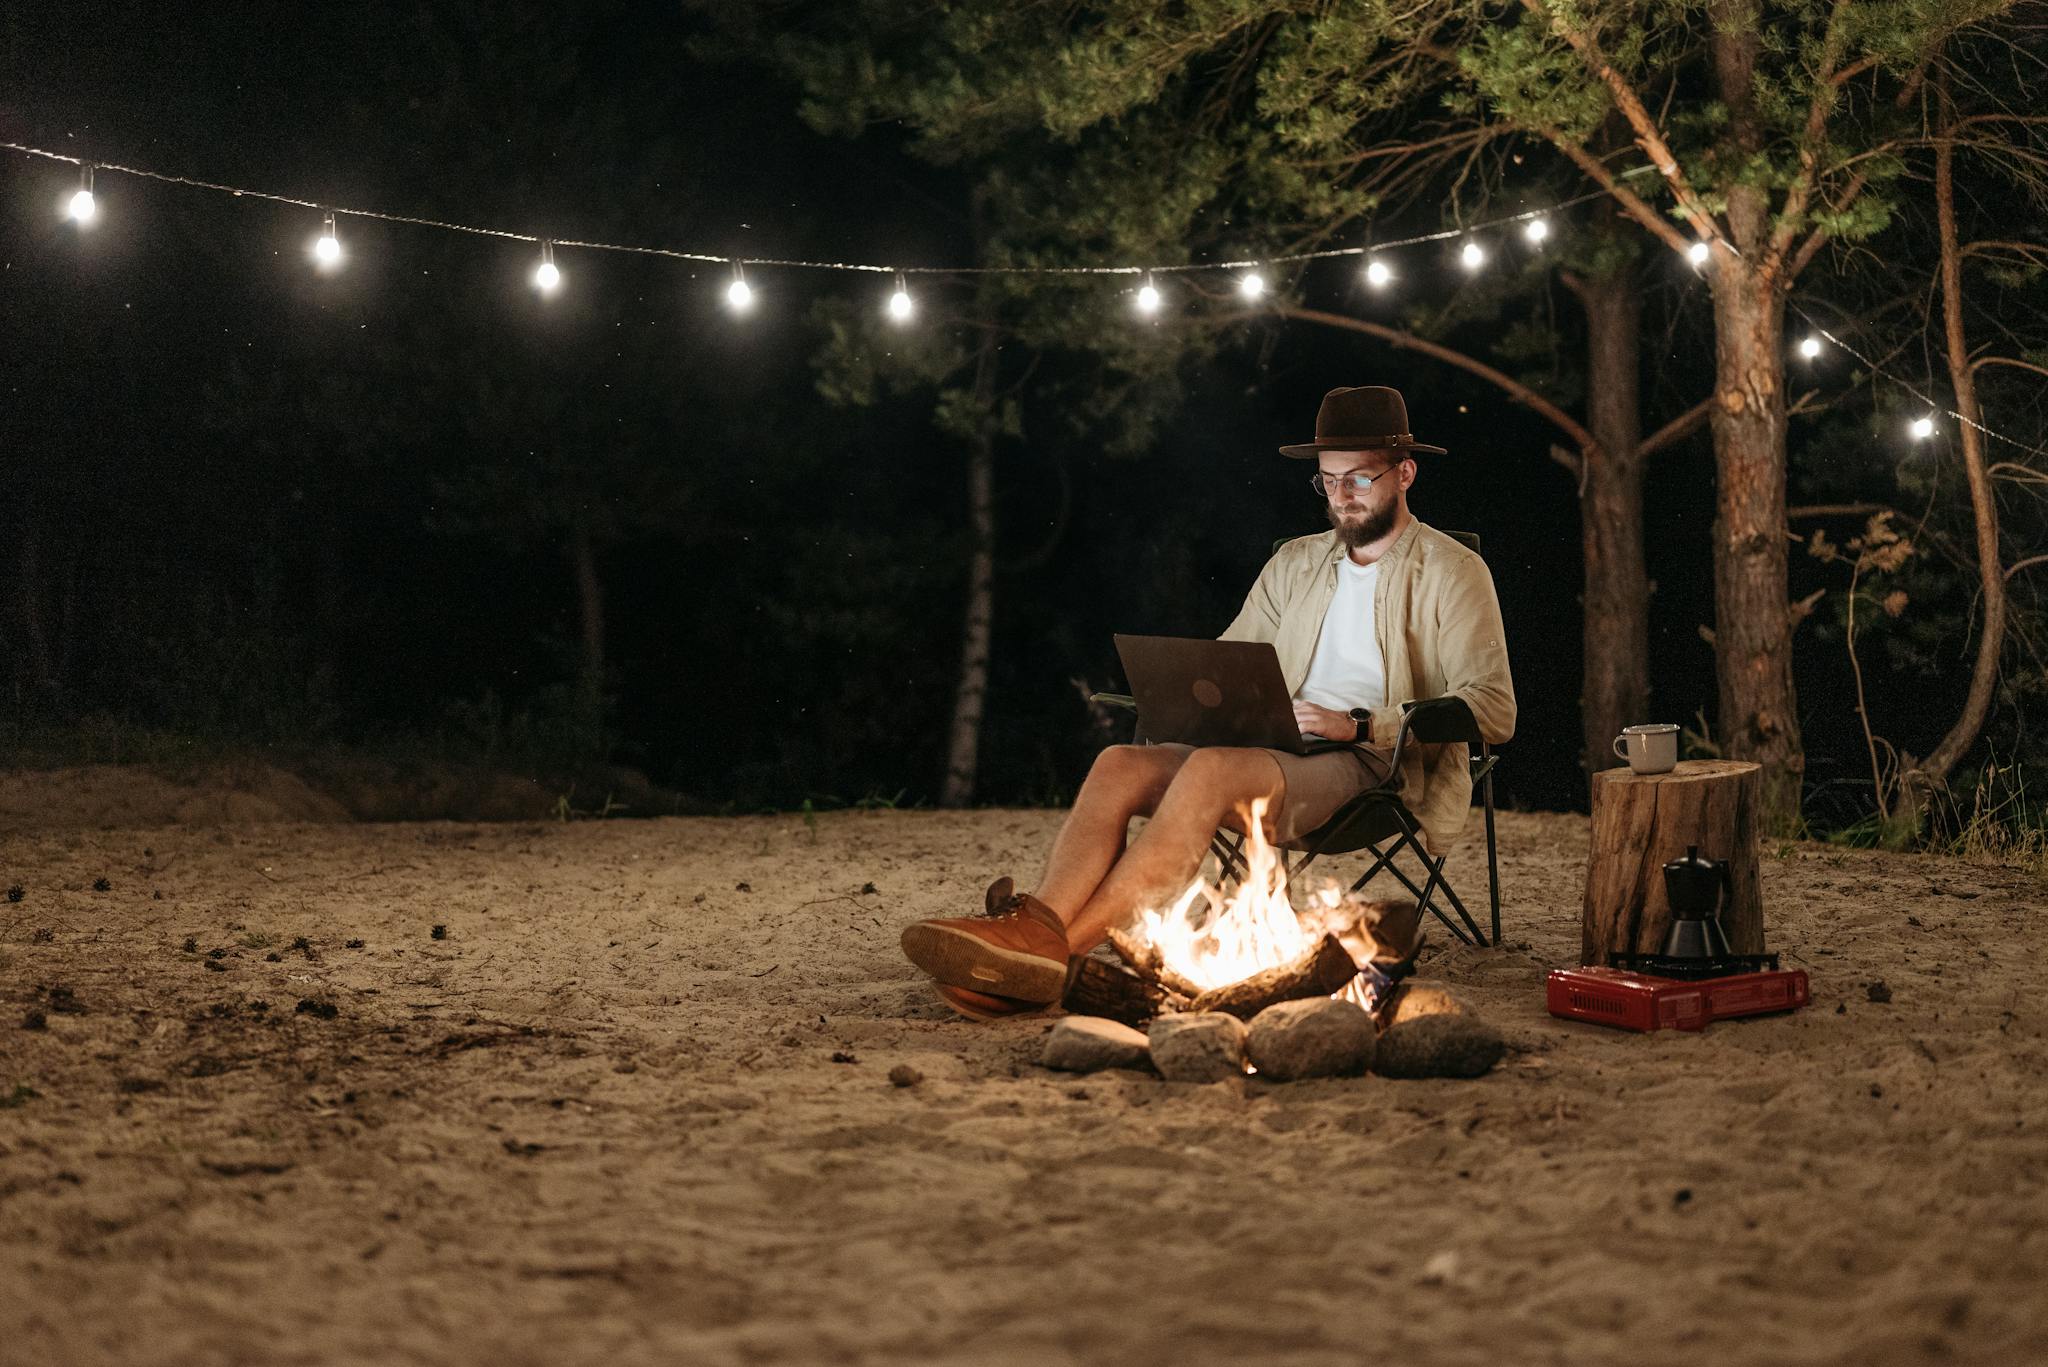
x=1348, y=670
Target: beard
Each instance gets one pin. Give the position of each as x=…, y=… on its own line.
x=1362, y=529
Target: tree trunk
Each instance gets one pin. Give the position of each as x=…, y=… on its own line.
x=1643, y=821
x=590, y=620
x=963, y=748
x=1616, y=635
x=43, y=683
x=1919, y=781
x=1759, y=717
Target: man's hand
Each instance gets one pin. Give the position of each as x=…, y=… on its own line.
x=1321, y=721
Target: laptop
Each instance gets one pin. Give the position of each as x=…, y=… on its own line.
x=1203, y=692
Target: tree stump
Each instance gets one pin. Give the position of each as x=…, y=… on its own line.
x=1643, y=821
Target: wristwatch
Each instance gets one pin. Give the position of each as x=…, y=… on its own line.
x=1363, y=716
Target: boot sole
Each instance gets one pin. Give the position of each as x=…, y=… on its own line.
x=964, y=960
x=973, y=1012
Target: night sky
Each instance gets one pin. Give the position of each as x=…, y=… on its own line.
x=290, y=509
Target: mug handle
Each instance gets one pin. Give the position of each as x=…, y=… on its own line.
x=1619, y=752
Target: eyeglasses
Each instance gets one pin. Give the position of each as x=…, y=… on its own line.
x=1353, y=483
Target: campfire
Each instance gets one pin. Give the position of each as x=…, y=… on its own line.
x=1243, y=950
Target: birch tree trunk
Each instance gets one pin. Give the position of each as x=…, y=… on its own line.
x=963, y=746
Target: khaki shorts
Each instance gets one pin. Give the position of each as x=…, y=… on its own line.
x=1317, y=785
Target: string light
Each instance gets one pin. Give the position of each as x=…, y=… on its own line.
x=327, y=247
x=900, y=307
x=739, y=294
x=82, y=208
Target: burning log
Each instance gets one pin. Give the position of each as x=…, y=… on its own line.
x=1101, y=988
x=1147, y=962
x=1322, y=971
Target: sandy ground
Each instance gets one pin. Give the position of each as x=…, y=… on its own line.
x=634, y=1106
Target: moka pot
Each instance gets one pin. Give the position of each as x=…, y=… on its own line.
x=1694, y=886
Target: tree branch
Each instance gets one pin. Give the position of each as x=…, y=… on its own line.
x=1809, y=149
x=2017, y=566
x=1647, y=134
x=1596, y=170
x=2007, y=360
x=1817, y=239
x=1408, y=341
x=1677, y=430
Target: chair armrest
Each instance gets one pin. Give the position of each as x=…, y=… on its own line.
x=1435, y=721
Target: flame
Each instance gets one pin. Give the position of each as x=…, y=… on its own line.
x=1213, y=939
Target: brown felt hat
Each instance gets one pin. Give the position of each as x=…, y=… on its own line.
x=1370, y=417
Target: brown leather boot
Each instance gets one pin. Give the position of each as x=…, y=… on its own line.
x=1020, y=952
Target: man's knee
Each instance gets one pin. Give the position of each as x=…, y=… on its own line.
x=1128, y=769
x=1229, y=773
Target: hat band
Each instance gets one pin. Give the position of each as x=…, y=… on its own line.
x=1397, y=439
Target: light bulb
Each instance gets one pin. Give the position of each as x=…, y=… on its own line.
x=1377, y=274
x=900, y=307
x=327, y=247
x=1252, y=286
x=1148, y=297
x=1922, y=428
x=739, y=295
x=81, y=208
x=1697, y=253
x=545, y=276
x=1472, y=257
x=1537, y=230
x=1810, y=348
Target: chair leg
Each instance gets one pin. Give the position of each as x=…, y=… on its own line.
x=1492, y=857
x=1228, y=856
x=1425, y=896
x=1478, y=938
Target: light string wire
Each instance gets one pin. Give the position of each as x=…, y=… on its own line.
x=677, y=254
x=1932, y=403
x=721, y=258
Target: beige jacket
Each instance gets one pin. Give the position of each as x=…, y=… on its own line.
x=1439, y=629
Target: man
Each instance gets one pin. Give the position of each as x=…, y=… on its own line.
x=1378, y=611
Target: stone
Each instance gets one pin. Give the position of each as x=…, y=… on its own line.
x=1084, y=1044
x=1319, y=1037
x=1199, y=1046
x=1431, y=1033
x=903, y=1075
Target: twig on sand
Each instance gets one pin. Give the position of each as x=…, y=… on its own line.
x=381, y=868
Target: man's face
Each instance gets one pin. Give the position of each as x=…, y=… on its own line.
x=1360, y=519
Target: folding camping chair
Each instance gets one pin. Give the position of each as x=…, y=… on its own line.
x=1377, y=820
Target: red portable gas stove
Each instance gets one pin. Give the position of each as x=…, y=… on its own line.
x=1655, y=992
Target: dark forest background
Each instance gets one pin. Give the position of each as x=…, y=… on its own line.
x=413, y=508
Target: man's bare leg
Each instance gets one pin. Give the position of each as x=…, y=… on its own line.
x=1207, y=790
x=1125, y=781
